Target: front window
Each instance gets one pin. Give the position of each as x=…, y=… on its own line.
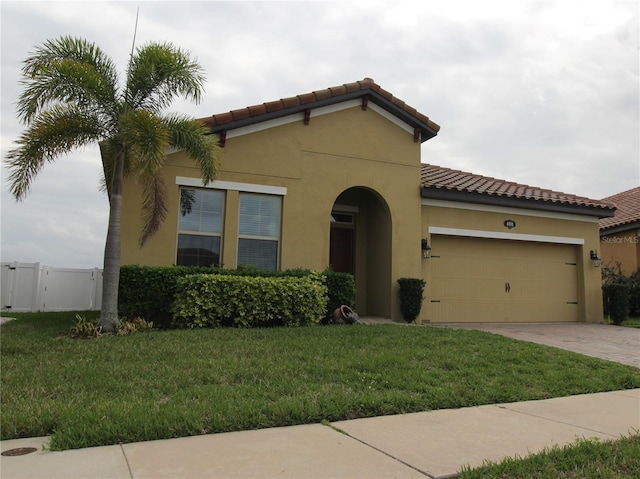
x=200, y=227
x=259, y=230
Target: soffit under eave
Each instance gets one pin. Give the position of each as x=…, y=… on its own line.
x=621, y=228
x=513, y=202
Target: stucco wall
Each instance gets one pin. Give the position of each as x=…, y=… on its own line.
x=316, y=163
x=622, y=248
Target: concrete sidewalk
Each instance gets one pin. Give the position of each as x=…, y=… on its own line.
x=431, y=444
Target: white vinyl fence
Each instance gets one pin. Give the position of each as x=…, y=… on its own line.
x=35, y=287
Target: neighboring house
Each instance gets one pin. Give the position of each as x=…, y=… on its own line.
x=620, y=234
x=334, y=178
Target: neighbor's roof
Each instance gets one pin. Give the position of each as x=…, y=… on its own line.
x=366, y=90
x=627, y=215
x=453, y=185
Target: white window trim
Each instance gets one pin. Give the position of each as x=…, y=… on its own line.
x=436, y=230
x=232, y=185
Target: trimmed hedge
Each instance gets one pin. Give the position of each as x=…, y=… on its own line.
x=634, y=294
x=149, y=291
x=616, y=298
x=211, y=300
x=341, y=291
x=620, y=294
x=411, y=295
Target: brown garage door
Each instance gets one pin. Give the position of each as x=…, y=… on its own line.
x=490, y=280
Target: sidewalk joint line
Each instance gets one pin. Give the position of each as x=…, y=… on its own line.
x=557, y=421
x=426, y=474
x=126, y=459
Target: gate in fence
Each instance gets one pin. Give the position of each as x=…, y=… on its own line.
x=29, y=287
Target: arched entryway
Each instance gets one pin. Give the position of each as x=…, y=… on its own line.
x=360, y=244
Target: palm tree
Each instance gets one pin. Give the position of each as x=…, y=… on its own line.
x=71, y=98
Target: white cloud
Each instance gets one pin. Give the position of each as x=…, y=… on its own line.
x=538, y=92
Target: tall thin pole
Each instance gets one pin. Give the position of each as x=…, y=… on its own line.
x=135, y=32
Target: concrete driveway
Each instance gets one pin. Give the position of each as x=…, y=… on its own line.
x=614, y=343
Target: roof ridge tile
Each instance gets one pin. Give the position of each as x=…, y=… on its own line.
x=256, y=111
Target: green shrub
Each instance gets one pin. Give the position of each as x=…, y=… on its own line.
x=148, y=291
x=341, y=290
x=634, y=294
x=84, y=328
x=210, y=300
x=136, y=325
x=410, y=292
x=615, y=293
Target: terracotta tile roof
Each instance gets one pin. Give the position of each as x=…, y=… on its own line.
x=348, y=91
x=627, y=209
x=445, y=183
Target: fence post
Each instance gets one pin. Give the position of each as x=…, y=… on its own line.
x=39, y=287
x=99, y=283
x=8, y=281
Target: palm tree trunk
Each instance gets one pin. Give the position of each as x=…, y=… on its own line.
x=111, y=272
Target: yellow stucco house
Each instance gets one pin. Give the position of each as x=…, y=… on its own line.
x=620, y=234
x=335, y=178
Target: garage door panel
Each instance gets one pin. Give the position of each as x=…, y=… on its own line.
x=458, y=288
x=485, y=280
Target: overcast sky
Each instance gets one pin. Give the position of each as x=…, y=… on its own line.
x=544, y=93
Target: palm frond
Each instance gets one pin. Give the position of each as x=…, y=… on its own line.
x=67, y=70
x=160, y=72
x=146, y=140
x=54, y=132
x=154, y=205
x=194, y=137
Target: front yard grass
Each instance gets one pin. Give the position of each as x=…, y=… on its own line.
x=586, y=459
x=631, y=322
x=166, y=384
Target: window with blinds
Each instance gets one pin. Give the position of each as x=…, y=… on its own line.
x=200, y=227
x=259, y=230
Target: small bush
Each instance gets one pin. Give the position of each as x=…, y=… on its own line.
x=224, y=300
x=341, y=290
x=137, y=325
x=84, y=328
x=410, y=292
x=634, y=294
x=615, y=293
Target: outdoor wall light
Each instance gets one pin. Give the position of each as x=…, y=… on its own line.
x=426, y=249
x=595, y=258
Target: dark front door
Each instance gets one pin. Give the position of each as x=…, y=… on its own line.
x=341, y=250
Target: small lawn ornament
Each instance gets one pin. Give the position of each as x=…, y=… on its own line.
x=345, y=315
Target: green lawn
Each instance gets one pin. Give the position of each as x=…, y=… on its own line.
x=167, y=384
x=631, y=322
x=587, y=459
